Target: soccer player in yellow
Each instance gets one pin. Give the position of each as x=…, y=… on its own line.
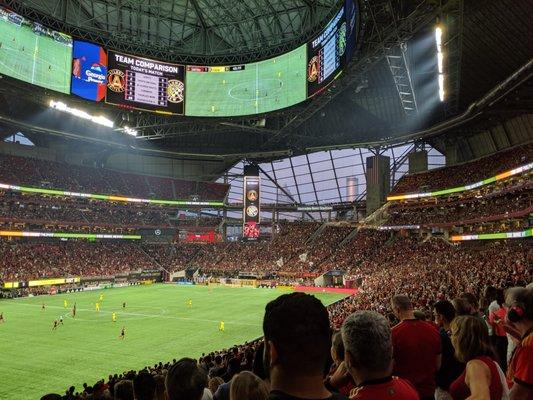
x=101, y=297
x=97, y=306
x=114, y=317
x=221, y=327
x=65, y=303
x=189, y=303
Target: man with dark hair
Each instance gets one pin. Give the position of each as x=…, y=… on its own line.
x=144, y=386
x=123, y=390
x=368, y=356
x=185, y=380
x=520, y=319
x=417, y=348
x=297, y=344
x=450, y=368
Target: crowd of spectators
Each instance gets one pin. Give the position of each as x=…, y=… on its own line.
x=33, y=172
x=464, y=174
x=408, y=356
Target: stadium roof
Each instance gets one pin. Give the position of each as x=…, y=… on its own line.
x=200, y=31
x=488, y=49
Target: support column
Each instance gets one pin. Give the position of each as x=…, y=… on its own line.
x=377, y=182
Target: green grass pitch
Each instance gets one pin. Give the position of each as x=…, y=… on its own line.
x=32, y=58
x=261, y=87
x=159, y=327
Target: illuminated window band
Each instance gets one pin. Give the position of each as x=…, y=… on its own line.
x=492, y=236
x=484, y=182
x=104, y=197
x=67, y=235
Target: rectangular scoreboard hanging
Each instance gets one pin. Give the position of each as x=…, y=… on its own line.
x=145, y=84
x=326, y=55
x=251, y=203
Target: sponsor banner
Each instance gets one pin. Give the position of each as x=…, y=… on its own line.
x=325, y=290
x=89, y=71
x=326, y=55
x=471, y=186
x=145, y=84
x=494, y=236
x=315, y=208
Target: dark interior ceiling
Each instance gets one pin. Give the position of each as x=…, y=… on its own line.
x=485, y=42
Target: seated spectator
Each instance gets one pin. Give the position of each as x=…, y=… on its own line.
x=124, y=390
x=144, y=386
x=481, y=378
x=368, y=353
x=520, y=318
x=297, y=343
x=248, y=386
x=339, y=378
x=417, y=348
x=185, y=381
x=450, y=368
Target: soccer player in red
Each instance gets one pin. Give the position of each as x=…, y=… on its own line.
x=368, y=356
x=520, y=319
x=417, y=348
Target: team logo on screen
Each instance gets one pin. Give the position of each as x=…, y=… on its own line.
x=116, y=80
x=312, y=69
x=252, y=195
x=175, y=91
x=252, y=211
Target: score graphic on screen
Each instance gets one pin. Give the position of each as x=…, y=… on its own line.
x=145, y=84
x=326, y=55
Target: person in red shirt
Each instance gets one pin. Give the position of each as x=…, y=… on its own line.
x=417, y=348
x=368, y=356
x=520, y=320
x=481, y=378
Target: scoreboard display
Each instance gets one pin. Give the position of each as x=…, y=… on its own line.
x=246, y=89
x=326, y=54
x=145, y=84
x=89, y=71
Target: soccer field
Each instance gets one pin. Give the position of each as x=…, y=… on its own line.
x=33, y=58
x=261, y=87
x=159, y=327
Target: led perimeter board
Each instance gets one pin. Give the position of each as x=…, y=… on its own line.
x=145, y=84
x=89, y=71
x=326, y=54
x=34, y=54
x=221, y=91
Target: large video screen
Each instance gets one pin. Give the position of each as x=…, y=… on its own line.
x=326, y=54
x=351, y=11
x=220, y=91
x=35, y=54
x=145, y=84
x=89, y=71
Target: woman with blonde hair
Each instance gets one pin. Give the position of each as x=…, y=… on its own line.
x=482, y=378
x=248, y=386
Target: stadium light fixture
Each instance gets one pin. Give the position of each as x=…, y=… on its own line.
x=97, y=119
x=440, y=61
x=130, y=131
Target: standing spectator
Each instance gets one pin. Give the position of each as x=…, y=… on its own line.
x=368, y=356
x=124, y=390
x=185, y=381
x=450, y=368
x=297, y=344
x=497, y=322
x=481, y=378
x=520, y=317
x=248, y=386
x=417, y=348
